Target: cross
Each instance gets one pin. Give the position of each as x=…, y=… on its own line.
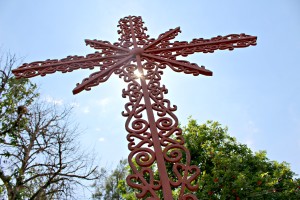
x=155, y=140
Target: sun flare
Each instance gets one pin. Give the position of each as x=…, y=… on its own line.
x=138, y=74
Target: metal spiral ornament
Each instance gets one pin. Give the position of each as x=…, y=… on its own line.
x=158, y=159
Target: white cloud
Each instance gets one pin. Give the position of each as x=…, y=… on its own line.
x=103, y=102
x=86, y=109
x=251, y=127
x=101, y=139
x=50, y=99
x=249, y=142
x=74, y=105
x=250, y=132
x=98, y=129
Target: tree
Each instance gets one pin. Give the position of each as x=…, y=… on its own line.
x=230, y=170
x=39, y=155
x=113, y=185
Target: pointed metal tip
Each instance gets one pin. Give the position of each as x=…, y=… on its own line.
x=75, y=91
x=208, y=73
x=14, y=71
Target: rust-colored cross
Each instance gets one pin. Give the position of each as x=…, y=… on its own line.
x=158, y=159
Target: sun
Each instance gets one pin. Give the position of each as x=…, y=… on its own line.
x=138, y=74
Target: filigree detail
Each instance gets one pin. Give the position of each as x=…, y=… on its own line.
x=107, y=49
x=155, y=140
x=142, y=158
x=230, y=42
x=163, y=39
x=106, y=70
x=129, y=26
x=68, y=64
x=179, y=65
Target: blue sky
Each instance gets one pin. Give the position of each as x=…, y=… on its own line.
x=255, y=91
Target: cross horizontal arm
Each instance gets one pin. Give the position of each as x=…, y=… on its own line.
x=99, y=44
x=180, y=66
x=99, y=77
x=64, y=65
x=229, y=42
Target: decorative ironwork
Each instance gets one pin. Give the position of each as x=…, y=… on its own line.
x=155, y=140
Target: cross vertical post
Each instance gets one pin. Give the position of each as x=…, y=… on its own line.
x=158, y=159
x=163, y=174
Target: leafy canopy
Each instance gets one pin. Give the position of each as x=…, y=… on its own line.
x=230, y=170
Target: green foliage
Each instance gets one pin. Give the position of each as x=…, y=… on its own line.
x=113, y=184
x=14, y=94
x=39, y=154
x=230, y=170
x=20, y=93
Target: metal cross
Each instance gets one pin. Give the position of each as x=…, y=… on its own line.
x=155, y=140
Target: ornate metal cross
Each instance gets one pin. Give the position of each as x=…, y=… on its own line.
x=155, y=140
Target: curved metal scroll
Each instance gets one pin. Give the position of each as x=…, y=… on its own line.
x=142, y=158
x=158, y=158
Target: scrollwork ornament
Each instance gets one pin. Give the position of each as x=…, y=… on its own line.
x=154, y=138
x=142, y=157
